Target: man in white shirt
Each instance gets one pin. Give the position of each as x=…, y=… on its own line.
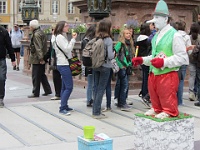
x=16, y=36
x=168, y=54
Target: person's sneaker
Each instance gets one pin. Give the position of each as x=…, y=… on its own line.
x=70, y=109
x=140, y=94
x=14, y=68
x=197, y=104
x=89, y=104
x=192, y=96
x=64, y=112
x=106, y=109
x=55, y=98
x=101, y=116
x=115, y=102
x=147, y=98
x=125, y=108
x=17, y=68
x=1, y=104
x=145, y=102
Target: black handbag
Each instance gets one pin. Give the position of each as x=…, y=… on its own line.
x=74, y=63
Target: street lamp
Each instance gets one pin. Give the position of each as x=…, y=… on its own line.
x=30, y=10
x=99, y=9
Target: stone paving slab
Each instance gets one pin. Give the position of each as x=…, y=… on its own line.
x=26, y=132
x=6, y=139
x=52, y=125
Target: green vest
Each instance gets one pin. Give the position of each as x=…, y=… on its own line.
x=163, y=49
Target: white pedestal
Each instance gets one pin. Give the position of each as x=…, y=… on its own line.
x=170, y=135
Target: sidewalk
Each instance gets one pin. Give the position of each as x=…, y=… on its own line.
x=35, y=124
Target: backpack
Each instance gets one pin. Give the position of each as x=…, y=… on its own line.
x=94, y=53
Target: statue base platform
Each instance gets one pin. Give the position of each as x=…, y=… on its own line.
x=176, y=133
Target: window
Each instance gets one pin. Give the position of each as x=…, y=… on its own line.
x=40, y=5
x=70, y=8
x=3, y=6
x=55, y=5
x=20, y=4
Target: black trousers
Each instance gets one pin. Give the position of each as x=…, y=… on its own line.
x=57, y=81
x=3, y=72
x=38, y=76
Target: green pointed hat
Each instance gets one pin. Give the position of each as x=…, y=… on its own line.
x=161, y=8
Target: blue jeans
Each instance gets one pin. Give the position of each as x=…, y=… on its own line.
x=121, y=87
x=145, y=75
x=90, y=80
x=3, y=72
x=101, y=76
x=108, y=91
x=67, y=85
x=181, y=84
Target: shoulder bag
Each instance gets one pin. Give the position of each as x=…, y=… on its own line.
x=74, y=63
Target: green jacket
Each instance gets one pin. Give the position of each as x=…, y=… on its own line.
x=38, y=46
x=123, y=56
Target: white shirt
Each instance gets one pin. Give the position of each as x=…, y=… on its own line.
x=65, y=45
x=180, y=56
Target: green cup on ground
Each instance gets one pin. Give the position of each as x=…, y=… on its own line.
x=89, y=132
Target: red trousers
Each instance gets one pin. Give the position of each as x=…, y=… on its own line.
x=163, y=92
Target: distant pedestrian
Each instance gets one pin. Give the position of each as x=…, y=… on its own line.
x=195, y=40
x=5, y=46
x=89, y=35
x=153, y=31
x=22, y=46
x=16, y=36
x=180, y=26
x=62, y=45
x=37, y=52
x=51, y=58
x=144, y=49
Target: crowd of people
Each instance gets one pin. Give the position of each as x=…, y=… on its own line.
x=163, y=50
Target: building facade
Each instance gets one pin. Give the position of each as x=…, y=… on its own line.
x=51, y=11
x=141, y=10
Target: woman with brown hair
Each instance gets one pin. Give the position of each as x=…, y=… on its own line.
x=101, y=74
x=62, y=45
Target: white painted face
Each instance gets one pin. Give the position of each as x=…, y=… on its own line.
x=160, y=21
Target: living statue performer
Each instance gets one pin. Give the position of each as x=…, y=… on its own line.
x=168, y=54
